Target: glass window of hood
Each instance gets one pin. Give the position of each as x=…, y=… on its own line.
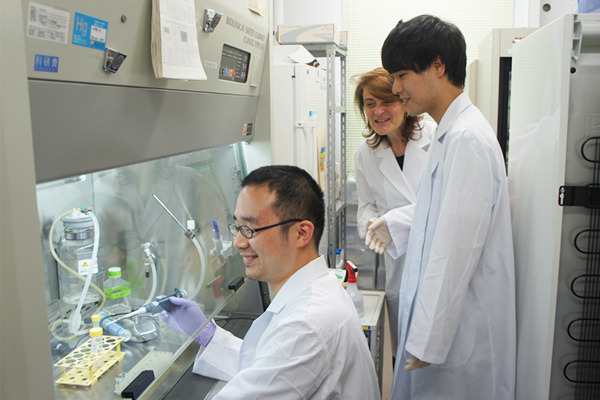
x=132, y=226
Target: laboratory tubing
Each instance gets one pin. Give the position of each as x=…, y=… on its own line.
x=76, y=251
x=96, y=340
x=352, y=289
x=113, y=327
x=148, y=257
x=190, y=234
x=117, y=291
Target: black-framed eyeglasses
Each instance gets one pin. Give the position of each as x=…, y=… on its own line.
x=248, y=232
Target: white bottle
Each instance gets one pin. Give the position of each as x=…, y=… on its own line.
x=117, y=291
x=353, y=291
x=339, y=258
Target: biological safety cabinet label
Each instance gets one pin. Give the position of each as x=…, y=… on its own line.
x=47, y=23
x=89, y=32
x=45, y=63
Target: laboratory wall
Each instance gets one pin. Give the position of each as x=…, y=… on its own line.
x=289, y=12
x=361, y=19
x=538, y=13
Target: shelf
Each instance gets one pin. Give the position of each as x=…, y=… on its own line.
x=339, y=207
x=325, y=49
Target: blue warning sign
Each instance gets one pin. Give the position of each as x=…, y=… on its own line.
x=45, y=63
x=89, y=32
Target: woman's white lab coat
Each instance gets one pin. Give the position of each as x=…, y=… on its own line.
x=457, y=298
x=386, y=190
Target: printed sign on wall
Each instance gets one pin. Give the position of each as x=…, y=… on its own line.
x=89, y=32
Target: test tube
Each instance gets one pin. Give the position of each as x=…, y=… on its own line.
x=95, y=320
x=96, y=340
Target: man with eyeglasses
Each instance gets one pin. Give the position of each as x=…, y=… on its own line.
x=309, y=343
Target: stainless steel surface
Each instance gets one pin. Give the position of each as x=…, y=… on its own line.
x=131, y=35
x=134, y=352
x=200, y=387
x=73, y=135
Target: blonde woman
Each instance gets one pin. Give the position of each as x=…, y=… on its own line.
x=389, y=165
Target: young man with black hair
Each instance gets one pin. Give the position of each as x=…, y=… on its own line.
x=457, y=323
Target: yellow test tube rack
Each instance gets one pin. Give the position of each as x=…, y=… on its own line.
x=82, y=367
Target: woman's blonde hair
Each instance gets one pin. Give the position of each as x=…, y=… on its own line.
x=379, y=82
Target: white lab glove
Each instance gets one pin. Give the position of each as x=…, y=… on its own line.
x=378, y=235
x=414, y=363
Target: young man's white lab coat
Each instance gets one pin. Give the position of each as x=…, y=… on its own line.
x=386, y=190
x=309, y=344
x=457, y=297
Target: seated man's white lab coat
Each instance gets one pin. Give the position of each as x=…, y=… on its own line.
x=308, y=344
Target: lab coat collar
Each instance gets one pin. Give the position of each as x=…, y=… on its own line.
x=415, y=156
x=461, y=103
x=406, y=184
x=297, y=282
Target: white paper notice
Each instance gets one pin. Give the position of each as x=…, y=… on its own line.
x=302, y=56
x=258, y=6
x=47, y=23
x=177, y=51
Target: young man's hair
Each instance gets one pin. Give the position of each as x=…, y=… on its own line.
x=415, y=44
x=298, y=195
x=379, y=82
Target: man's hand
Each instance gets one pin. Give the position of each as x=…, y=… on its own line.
x=378, y=236
x=187, y=318
x=414, y=363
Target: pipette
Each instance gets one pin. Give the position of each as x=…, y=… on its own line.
x=156, y=306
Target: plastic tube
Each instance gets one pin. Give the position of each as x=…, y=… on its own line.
x=76, y=317
x=218, y=242
x=113, y=327
x=203, y=267
x=155, y=278
x=66, y=267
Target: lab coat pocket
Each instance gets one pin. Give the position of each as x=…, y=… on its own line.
x=463, y=349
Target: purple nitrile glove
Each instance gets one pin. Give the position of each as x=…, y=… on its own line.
x=187, y=318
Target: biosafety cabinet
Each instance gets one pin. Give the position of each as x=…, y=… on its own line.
x=139, y=114
x=553, y=178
